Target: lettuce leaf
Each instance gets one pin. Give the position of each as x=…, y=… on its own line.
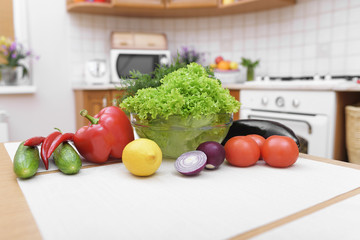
x=185, y=92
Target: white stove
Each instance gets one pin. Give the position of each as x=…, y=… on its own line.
x=300, y=82
x=310, y=114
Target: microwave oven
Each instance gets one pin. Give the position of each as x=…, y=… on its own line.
x=122, y=61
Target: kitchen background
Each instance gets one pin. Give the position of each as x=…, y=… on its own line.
x=310, y=37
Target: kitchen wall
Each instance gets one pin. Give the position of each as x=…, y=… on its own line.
x=52, y=105
x=313, y=36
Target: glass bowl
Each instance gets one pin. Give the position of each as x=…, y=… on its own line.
x=177, y=135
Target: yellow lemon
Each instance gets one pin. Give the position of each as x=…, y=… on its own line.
x=142, y=157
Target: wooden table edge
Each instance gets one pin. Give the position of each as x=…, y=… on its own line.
x=17, y=222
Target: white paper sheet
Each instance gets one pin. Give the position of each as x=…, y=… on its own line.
x=338, y=221
x=107, y=202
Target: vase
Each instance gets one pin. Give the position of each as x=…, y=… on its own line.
x=250, y=72
x=8, y=75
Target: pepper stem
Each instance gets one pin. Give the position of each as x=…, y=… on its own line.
x=93, y=120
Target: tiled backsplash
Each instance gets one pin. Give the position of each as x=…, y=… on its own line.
x=311, y=37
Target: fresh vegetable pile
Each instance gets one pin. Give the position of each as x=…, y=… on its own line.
x=277, y=150
x=107, y=135
x=26, y=160
x=186, y=117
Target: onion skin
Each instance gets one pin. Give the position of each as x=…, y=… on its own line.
x=191, y=163
x=215, y=154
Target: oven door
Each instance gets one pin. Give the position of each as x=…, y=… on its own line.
x=311, y=129
x=123, y=61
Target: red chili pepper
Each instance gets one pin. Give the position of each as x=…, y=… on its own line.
x=107, y=135
x=45, y=147
x=34, y=141
x=58, y=140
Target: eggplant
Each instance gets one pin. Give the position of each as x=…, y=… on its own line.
x=263, y=128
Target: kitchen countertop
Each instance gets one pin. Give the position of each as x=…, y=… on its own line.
x=260, y=85
x=26, y=207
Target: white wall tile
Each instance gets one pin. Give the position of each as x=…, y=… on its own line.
x=311, y=7
x=324, y=35
x=285, y=40
x=250, y=19
x=313, y=36
x=310, y=51
x=354, y=3
x=323, y=66
x=353, y=48
x=261, y=30
x=226, y=33
x=340, y=4
x=353, y=31
x=354, y=14
x=296, y=68
x=338, y=49
x=339, y=33
x=299, y=10
x=249, y=32
x=325, y=20
x=325, y=5
x=310, y=22
x=237, y=45
x=297, y=39
x=297, y=25
x=352, y=64
x=340, y=17
x=310, y=37
x=337, y=65
x=274, y=29
x=309, y=67
x=261, y=43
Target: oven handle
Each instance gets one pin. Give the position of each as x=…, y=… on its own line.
x=285, y=119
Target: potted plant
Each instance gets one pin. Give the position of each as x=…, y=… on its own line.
x=250, y=68
x=11, y=54
x=188, y=55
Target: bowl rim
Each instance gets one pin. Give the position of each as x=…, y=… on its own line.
x=182, y=128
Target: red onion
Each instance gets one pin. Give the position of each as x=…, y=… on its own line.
x=215, y=154
x=190, y=163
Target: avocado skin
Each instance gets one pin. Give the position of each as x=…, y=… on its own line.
x=26, y=161
x=265, y=128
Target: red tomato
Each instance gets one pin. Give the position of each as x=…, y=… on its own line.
x=242, y=151
x=259, y=140
x=280, y=151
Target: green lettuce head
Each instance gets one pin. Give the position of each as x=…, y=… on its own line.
x=185, y=92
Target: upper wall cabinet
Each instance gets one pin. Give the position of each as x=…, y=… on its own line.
x=174, y=8
x=191, y=3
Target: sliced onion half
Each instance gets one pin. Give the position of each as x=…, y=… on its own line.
x=191, y=163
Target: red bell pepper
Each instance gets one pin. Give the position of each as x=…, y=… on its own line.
x=107, y=135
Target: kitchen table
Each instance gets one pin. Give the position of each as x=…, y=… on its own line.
x=107, y=202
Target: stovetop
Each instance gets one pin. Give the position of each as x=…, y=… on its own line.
x=305, y=80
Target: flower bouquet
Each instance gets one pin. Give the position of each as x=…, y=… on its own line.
x=11, y=55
